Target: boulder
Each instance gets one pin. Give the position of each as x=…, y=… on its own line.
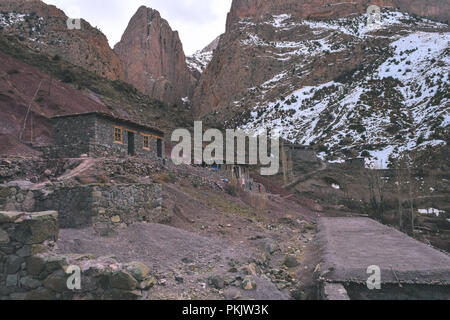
x=37, y=228
x=4, y=237
x=13, y=264
x=148, y=283
x=123, y=280
x=138, y=270
x=291, y=262
x=29, y=282
x=35, y=265
x=10, y=216
x=249, y=283
x=270, y=246
x=56, y=281
x=11, y=280
x=55, y=262
x=216, y=281
x=115, y=219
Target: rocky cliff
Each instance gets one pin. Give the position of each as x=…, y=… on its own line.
x=236, y=67
x=328, y=9
x=44, y=28
x=348, y=89
x=153, y=57
x=198, y=62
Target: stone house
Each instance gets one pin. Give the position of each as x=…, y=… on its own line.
x=356, y=163
x=296, y=159
x=97, y=134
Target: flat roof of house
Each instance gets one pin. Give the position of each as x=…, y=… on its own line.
x=350, y=245
x=110, y=117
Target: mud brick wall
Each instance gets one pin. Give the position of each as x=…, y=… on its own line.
x=83, y=206
x=31, y=270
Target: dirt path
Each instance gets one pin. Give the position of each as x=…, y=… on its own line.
x=181, y=261
x=305, y=177
x=83, y=166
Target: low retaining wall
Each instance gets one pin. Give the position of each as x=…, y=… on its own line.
x=333, y=292
x=82, y=206
x=30, y=270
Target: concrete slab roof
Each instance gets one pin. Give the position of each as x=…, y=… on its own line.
x=350, y=245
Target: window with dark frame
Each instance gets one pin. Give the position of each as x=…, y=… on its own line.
x=117, y=134
x=146, y=142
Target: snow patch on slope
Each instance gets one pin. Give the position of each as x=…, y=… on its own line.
x=419, y=65
x=199, y=60
x=10, y=19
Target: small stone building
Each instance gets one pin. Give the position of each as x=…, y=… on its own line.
x=356, y=163
x=98, y=134
x=296, y=160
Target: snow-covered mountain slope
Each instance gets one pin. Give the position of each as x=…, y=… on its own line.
x=349, y=89
x=199, y=60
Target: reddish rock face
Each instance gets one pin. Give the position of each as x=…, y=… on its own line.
x=236, y=67
x=438, y=9
x=300, y=8
x=153, y=57
x=44, y=28
x=28, y=6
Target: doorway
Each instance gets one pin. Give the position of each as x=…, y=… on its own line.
x=131, y=144
x=159, y=147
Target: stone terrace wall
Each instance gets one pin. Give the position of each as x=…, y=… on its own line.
x=103, y=206
x=30, y=270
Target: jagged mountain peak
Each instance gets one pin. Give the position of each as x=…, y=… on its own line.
x=198, y=62
x=44, y=28
x=344, y=87
x=153, y=57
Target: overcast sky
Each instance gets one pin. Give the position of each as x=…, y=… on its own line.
x=198, y=21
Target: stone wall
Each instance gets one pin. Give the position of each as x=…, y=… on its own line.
x=298, y=160
x=103, y=206
x=93, y=135
x=333, y=292
x=105, y=146
x=74, y=131
x=31, y=270
x=34, y=170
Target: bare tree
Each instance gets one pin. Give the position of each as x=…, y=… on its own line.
x=376, y=187
x=399, y=195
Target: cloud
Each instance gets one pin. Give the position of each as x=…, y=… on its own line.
x=197, y=21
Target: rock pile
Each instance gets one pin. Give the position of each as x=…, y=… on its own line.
x=30, y=269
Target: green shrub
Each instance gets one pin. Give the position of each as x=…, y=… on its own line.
x=67, y=76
